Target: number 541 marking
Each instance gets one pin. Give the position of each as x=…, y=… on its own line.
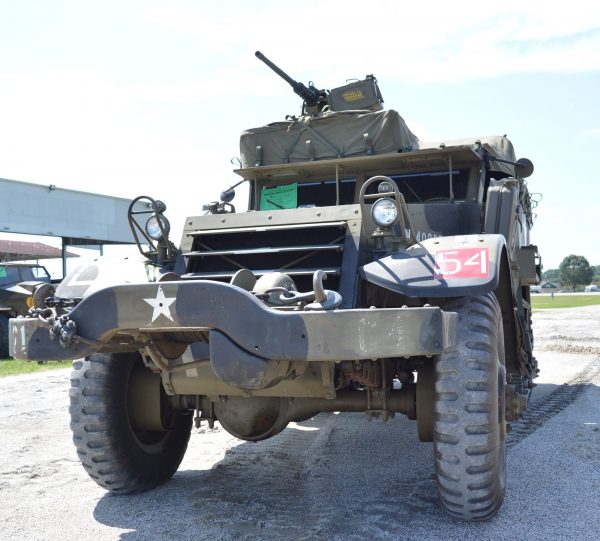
x=462, y=263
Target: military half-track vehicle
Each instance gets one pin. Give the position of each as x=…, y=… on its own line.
x=19, y=284
x=372, y=273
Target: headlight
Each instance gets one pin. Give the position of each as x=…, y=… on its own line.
x=385, y=187
x=384, y=212
x=153, y=227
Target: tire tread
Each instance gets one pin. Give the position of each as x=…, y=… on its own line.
x=98, y=416
x=467, y=434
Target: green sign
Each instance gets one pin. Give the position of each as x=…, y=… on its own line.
x=279, y=197
x=2, y=272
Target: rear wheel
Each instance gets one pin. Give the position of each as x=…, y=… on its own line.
x=469, y=427
x=3, y=337
x=127, y=439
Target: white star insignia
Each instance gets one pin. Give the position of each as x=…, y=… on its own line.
x=161, y=305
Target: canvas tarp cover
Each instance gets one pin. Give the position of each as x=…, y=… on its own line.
x=332, y=135
x=497, y=146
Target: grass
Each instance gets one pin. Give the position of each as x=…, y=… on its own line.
x=563, y=301
x=10, y=367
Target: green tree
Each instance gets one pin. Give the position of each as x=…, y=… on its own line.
x=575, y=270
x=550, y=274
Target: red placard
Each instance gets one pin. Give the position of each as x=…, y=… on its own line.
x=462, y=263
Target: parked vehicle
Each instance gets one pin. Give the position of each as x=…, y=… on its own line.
x=373, y=273
x=18, y=284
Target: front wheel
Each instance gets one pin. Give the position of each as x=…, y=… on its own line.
x=120, y=444
x=469, y=426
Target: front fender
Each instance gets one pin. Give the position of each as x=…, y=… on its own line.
x=17, y=298
x=107, y=271
x=454, y=266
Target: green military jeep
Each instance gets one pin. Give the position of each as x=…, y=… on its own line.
x=372, y=273
x=19, y=282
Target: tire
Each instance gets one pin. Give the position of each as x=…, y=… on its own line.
x=469, y=425
x=4, y=337
x=118, y=457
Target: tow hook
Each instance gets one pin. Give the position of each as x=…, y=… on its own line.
x=318, y=299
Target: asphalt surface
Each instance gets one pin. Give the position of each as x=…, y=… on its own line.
x=335, y=477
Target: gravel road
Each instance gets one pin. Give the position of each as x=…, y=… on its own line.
x=334, y=477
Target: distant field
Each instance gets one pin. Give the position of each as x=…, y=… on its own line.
x=10, y=367
x=563, y=301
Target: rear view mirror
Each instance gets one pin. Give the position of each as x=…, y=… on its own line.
x=524, y=168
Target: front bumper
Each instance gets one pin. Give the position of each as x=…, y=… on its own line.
x=125, y=317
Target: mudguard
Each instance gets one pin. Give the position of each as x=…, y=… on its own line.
x=107, y=271
x=17, y=298
x=454, y=266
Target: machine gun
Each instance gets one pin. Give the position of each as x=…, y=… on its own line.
x=362, y=94
x=314, y=99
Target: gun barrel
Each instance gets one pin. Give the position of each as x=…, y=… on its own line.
x=276, y=69
x=310, y=95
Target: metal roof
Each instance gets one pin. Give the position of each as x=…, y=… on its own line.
x=11, y=250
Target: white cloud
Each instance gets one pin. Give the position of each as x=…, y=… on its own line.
x=592, y=133
x=85, y=121
x=418, y=41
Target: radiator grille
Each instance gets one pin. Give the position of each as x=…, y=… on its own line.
x=297, y=250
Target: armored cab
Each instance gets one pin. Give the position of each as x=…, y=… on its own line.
x=373, y=272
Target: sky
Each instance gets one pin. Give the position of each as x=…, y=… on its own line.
x=142, y=97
